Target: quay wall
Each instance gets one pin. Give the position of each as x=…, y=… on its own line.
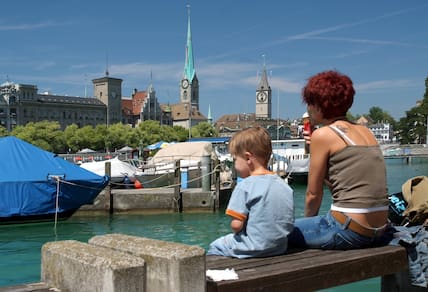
x=119, y=262
x=156, y=200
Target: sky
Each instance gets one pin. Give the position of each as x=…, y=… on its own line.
x=61, y=46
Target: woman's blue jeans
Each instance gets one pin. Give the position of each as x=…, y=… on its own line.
x=325, y=232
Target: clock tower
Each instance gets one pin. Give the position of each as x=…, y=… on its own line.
x=264, y=98
x=109, y=91
x=189, y=85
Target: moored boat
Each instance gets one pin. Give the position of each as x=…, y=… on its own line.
x=159, y=171
x=122, y=173
x=37, y=185
x=293, y=150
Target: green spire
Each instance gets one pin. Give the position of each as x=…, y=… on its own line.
x=189, y=68
x=209, y=114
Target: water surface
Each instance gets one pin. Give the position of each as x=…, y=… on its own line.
x=20, y=244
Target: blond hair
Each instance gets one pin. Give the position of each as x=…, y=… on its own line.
x=255, y=140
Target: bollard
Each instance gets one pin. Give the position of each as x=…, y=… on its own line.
x=108, y=195
x=205, y=173
x=72, y=265
x=170, y=266
x=184, y=177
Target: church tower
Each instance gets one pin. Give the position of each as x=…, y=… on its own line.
x=189, y=85
x=264, y=98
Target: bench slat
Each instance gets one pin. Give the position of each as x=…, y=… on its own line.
x=307, y=270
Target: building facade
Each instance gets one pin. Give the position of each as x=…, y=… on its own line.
x=143, y=106
x=21, y=104
x=383, y=132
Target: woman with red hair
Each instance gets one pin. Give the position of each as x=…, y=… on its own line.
x=347, y=158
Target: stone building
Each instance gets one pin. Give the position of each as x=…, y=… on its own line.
x=383, y=132
x=21, y=104
x=143, y=106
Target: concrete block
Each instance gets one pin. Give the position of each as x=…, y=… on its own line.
x=170, y=267
x=77, y=266
x=144, y=199
x=198, y=200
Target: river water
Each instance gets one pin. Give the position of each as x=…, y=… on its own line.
x=20, y=244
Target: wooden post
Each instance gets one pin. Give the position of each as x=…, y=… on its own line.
x=178, y=196
x=217, y=187
x=109, y=197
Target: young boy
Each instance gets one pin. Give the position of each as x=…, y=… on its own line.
x=261, y=205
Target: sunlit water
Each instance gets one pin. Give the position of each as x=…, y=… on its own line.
x=20, y=244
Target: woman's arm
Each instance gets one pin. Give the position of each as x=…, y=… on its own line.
x=320, y=150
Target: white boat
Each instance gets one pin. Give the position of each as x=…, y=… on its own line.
x=121, y=171
x=297, y=158
x=159, y=171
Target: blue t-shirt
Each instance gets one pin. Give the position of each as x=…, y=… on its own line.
x=267, y=203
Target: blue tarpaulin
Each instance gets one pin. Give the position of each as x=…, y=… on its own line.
x=29, y=181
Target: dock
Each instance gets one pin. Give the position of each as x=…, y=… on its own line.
x=118, y=262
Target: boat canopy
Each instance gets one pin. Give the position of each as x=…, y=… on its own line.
x=185, y=151
x=30, y=178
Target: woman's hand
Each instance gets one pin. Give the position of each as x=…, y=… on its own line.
x=307, y=136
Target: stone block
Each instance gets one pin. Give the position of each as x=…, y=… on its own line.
x=170, y=267
x=198, y=200
x=77, y=266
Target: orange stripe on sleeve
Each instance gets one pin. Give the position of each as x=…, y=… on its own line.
x=236, y=215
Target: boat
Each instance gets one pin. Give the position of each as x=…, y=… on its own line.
x=37, y=185
x=297, y=159
x=122, y=173
x=159, y=171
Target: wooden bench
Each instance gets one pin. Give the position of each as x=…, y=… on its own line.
x=311, y=269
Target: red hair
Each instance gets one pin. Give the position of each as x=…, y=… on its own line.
x=331, y=91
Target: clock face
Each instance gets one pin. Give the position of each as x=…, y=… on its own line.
x=261, y=96
x=185, y=83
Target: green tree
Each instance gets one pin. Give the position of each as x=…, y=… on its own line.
x=71, y=138
x=44, y=134
x=119, y=135
x=85, y=136
x=413, y=127
x=3, y=131
x=99, y=142
x=204, y=129
x=182, y=133
x=149, y=132
x=377, y=115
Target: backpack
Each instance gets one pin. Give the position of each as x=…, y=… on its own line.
x=410, y=206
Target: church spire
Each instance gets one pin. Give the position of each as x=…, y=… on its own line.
x=264, y=84
x=189, y=68
x=210, y=119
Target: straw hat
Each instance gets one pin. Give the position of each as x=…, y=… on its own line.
x=415, y=192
